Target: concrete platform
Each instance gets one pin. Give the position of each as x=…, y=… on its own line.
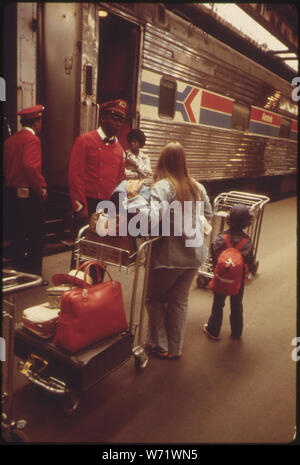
x=228, y=392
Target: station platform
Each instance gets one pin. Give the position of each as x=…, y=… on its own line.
x=218, y=392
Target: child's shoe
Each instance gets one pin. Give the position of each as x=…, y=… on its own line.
x=205, y=330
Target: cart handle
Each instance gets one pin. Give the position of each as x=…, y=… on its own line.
x=36, y=280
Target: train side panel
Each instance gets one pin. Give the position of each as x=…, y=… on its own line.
x=206, y=87
x=235, y=118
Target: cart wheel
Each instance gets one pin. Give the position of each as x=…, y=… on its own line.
x=17, y=435
x=141, y=363
x=70, y=403
x=202, y=281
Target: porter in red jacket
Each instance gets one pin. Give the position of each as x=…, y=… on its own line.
x=25, y=192
x=23, y=155
x=96, y=165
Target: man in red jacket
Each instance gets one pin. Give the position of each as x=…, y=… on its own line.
x=25, y=192
x=97, y=164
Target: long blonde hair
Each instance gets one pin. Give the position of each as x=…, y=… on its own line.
x=171, y=165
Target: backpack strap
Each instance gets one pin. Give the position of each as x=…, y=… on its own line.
x=237, y=246
x=241, y=243
x=228, y=243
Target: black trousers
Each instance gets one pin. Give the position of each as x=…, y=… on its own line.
x=24, y=225
x=236, y=313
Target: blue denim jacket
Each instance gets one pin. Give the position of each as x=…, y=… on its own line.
x=172, y=251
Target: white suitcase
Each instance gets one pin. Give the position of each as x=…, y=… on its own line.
x=41, y=320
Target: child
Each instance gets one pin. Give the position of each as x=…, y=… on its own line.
x=239, y=218
x=137, y=163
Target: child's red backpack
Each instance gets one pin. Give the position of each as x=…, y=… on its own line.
x=228, y=273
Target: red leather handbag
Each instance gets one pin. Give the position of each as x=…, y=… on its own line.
x=68, y=278
x=90, y=313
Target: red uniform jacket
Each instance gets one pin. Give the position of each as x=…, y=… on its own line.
x=23, y=161
x=95, y=169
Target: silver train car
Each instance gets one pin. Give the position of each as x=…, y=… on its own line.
x=235, y=118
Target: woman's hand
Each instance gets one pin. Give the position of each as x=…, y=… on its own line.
x=133, y=188
x=131, y=163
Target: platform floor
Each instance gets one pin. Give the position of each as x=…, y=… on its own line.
x=227, y=392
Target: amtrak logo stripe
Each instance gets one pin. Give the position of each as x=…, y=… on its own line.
x=215, y=118
x=180, y=108
x=216, y=110
x=264, y=122
x=180, y=103
x=294, y=130
x=147, y=87
x=194, y=105
x=216, y=102
x=189, y=102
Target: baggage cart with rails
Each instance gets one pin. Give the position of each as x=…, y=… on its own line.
x=69, y=375
x=13, y=282
x=222, y=205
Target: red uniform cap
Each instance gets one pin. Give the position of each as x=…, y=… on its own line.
x=32, y=112
x=118, y=105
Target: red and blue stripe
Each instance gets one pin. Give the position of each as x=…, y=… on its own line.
x=264, y=122
x=294, y=130
x=216, y=110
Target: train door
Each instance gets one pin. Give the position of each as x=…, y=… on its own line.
x=118, y=66
x=58, y=86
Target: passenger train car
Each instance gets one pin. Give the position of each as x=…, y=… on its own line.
x=235, y=119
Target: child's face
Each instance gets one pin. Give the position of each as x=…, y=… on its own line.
x=134, y=146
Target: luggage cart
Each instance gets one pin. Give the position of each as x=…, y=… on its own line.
x=222, y=204
x=126, y=257
x=67, y=375
x=13, y=282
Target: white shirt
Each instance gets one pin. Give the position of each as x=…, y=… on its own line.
x=103, y=135
x=29, y=129
x=143, y=163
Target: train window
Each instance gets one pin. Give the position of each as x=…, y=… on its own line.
x=285, y=128
x=167, y=98
x=240, y=116
x=89, y=80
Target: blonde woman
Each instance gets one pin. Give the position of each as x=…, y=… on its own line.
x=174, y=261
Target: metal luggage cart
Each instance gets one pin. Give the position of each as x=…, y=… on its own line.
x=67, y=376
x=126, y=259
x=13, y=282
x=222, y=204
